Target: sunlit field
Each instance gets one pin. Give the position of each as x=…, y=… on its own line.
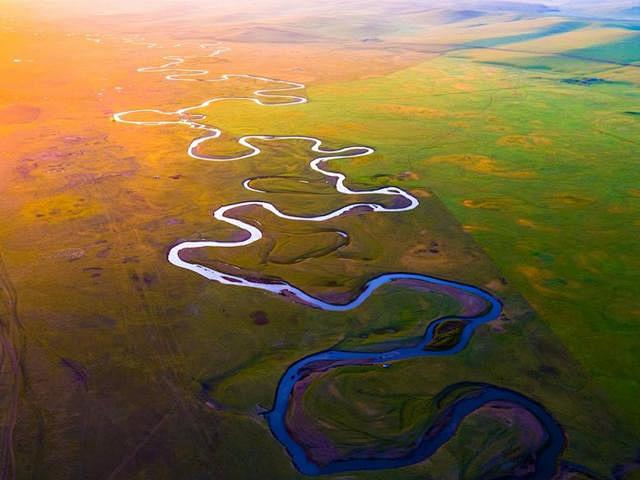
x=354, y=240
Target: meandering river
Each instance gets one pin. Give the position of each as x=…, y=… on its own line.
x=484, y=306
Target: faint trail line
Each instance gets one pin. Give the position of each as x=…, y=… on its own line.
x=126, y=460
x=11, y=370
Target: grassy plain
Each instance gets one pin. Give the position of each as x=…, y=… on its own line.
x=542, y=173
x=132, y=368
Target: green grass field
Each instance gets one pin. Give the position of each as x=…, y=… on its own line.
x=543, y=173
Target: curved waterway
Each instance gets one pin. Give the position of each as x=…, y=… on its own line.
x=448, y=421
x=280, y=93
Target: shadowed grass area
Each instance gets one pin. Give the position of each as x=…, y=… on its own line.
x=560, y=27
x=626, y=50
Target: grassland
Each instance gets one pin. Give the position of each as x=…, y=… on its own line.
x=542, y=173
x=131, y=368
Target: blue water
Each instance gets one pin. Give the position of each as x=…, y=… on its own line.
x=432, y=440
